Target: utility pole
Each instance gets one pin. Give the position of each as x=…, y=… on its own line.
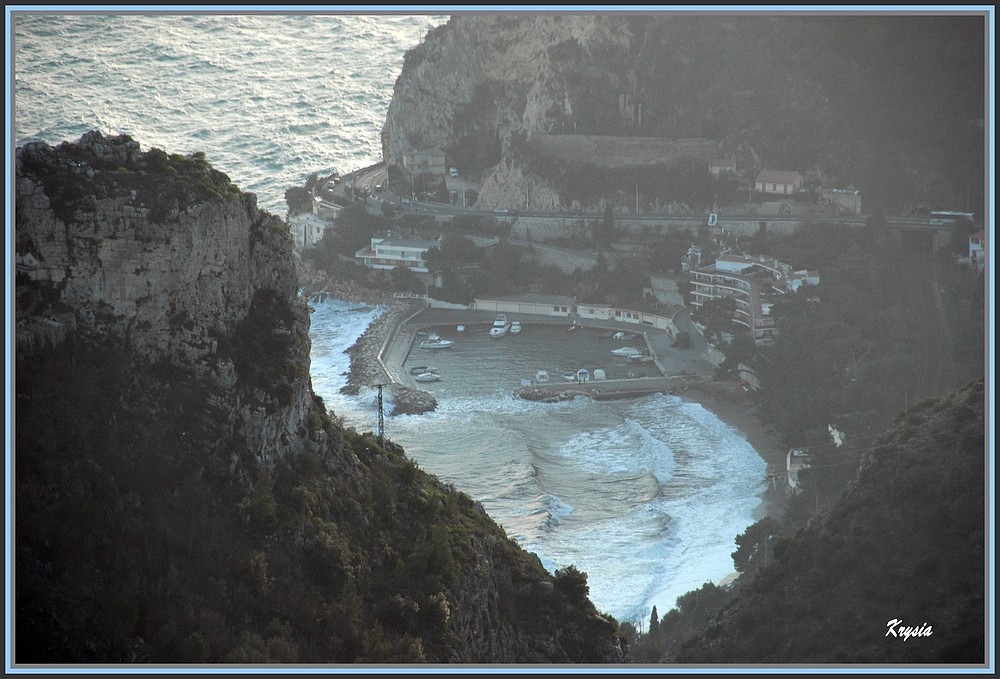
x=381, y=416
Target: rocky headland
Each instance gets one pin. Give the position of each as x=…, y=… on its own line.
x=181, y=493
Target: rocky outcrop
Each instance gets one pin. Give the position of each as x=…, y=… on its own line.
x=169, y=283
x=489, y=59
x=485, y=75
x=182, y=495
x=765, y=92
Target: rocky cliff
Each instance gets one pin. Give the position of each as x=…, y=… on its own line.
x=182, y=495
x=776, y=92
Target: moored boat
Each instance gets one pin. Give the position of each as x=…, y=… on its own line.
x=515, y=327
x=500, y=327
x=427, y=377
x=624, y=335
x=542, y=377
x=626, y=351
x=421, y=369
x=435, y=342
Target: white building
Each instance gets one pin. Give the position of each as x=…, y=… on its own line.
x=528, y=303
x=746, y=280
x=388, y=253
x=720, y=168
x=307, y=229
x=777, y=181
x=795, y=461
x=425, y=161
x=976, y=253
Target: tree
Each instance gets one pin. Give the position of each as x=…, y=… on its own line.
x=299, y=200
x=354, y=229
x=752, y=544
x=573, y=583
x=654, y=622
x=443, y=196
x=404, y=280
x=608, y=225
x=717, y=317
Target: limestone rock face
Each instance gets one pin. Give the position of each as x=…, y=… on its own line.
x=498, y=72
x=170, y=285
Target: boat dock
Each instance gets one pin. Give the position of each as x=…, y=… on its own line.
x=602, y=390
x=679, y=369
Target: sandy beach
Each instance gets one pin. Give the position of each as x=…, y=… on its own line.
x=729, y=403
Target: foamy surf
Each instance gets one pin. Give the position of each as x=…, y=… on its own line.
x=646, y=496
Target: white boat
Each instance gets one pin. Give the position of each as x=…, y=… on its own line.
x=624, y=335
x=460, y=328
x=626, y=351
x=421, y=369
x=515, y=327
x=542, y=377
x=500, y=327
x=435, y=342
x=569, y=375
x=427, y=377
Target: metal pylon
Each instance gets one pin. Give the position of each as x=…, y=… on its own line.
x=381, y=416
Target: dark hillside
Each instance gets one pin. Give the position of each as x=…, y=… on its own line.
x=181, y=495
x=905, y=543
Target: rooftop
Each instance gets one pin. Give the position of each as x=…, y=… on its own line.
x=778, y=176
x=534, y=298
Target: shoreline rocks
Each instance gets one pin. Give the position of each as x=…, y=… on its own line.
x=366, y=370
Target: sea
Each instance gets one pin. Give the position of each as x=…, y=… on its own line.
x=644, y=495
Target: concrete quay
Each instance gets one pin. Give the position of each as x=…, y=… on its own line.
x=679, y=368
x=603, y=390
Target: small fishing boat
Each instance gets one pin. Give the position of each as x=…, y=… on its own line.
x=460, y=328
x=542, y=377
x=421, y=369
x=515, y=327
x=624, y=335
x=626, y=351
x=435, y=342
x=427, y=377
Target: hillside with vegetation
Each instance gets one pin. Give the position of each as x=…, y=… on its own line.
x=181, y=493
x=903, y=547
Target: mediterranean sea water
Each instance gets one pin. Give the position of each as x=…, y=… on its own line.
x=644, y=495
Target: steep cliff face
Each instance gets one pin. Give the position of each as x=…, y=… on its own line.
x=182, y=495
x=166, y=279
x=483, y=77
x=500, y=63
x=793, y=92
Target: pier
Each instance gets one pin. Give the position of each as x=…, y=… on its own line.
x=604, y=390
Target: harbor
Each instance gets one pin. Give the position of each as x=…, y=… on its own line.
x=657, y=366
